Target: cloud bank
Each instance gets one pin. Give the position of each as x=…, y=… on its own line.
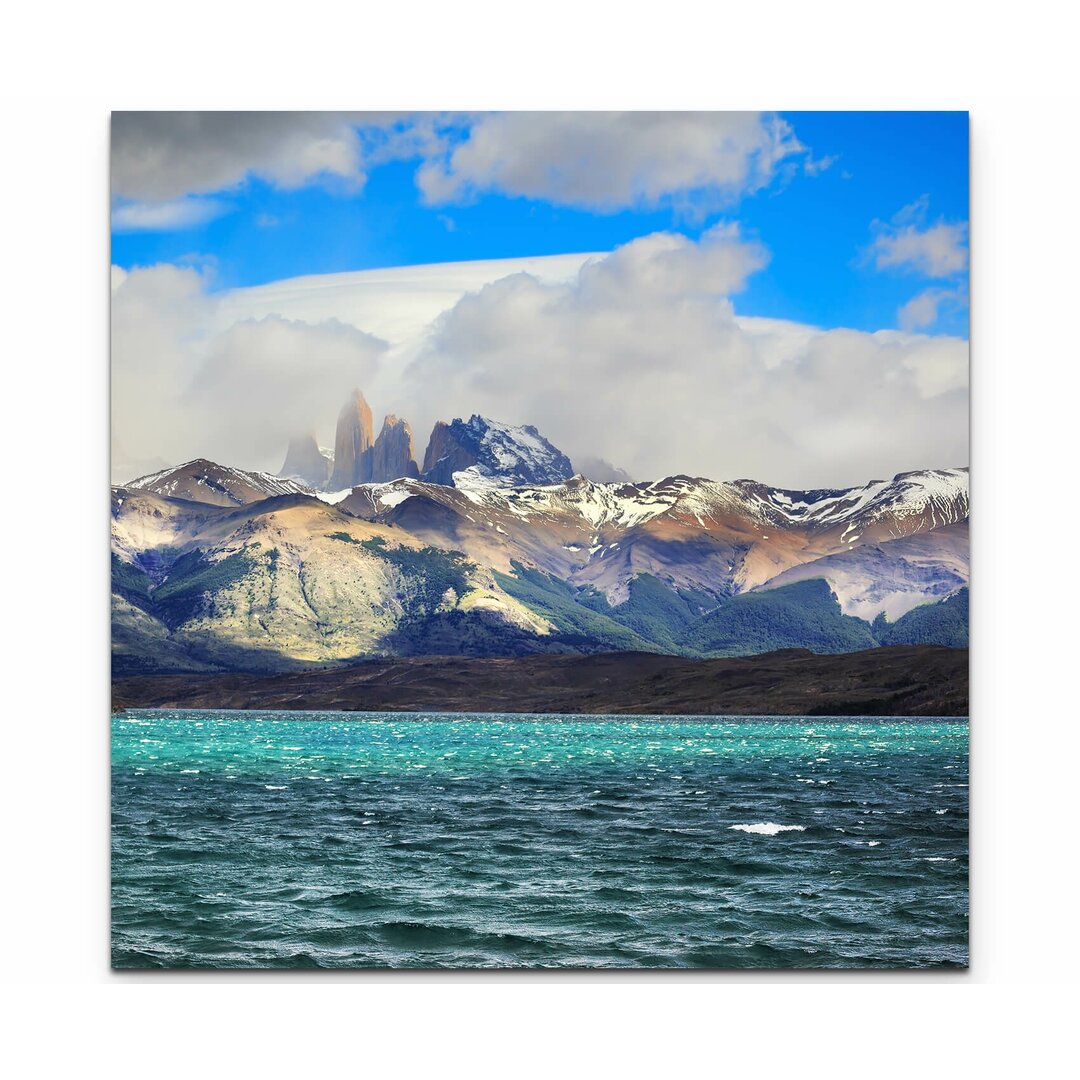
x=642, y=360
x=180, y=390
x=637, y=357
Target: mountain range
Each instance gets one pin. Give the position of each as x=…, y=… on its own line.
x=496, y=546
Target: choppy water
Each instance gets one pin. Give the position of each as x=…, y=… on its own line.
x=358, y=840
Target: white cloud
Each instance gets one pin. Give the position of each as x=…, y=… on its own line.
x=158, y=319
x=264, y=380
x=661, y=381
x=231, y=376
x=937, y=251
x=610, y=160
x=672, y=265
x=181, y=389
x=636, y=357
x=174, y=214
x=815, y=166
x=394, y=303
x=921, y=311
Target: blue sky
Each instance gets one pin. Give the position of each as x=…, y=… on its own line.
x=817, y=215
x=774, y=296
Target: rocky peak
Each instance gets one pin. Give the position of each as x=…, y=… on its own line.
x=392, y=454
x=305, y=461
x=448, y=451
x=352, y=444
x=512, y=456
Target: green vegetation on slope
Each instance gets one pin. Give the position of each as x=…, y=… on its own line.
x=653, y=610
x=942, y=623
x=804, y=615
x=181, y=595
x=581, y=626
x=466, y=633
x=131, y=582
x=423, y=613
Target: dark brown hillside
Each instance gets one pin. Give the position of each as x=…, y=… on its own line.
x=908, y=680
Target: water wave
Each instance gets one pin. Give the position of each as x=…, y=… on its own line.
x=768, y=828
x=551, y=842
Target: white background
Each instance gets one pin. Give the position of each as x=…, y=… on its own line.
x=64, y=70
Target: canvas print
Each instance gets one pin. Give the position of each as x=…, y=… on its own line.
x=539, y=540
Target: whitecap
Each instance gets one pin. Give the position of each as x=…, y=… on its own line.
x=275, y=787
x=768, y=828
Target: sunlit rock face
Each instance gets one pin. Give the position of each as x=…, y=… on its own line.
x=353, y=444
x=392, y=455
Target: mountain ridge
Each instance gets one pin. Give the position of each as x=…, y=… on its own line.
x=574, y=566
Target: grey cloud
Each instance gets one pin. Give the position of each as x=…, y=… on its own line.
x=610, y=160
x=697, y=160
x=601, y=471
x=266, y=380
x=160, y=156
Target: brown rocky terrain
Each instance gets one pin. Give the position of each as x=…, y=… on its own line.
x=894, y=576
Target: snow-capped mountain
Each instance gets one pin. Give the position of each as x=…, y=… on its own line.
x=205, y=481
x=910, y=502
x=212, y=561
x=486, y=450
x=930, y=497
x=719, y=537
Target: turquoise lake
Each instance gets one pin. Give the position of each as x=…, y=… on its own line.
x=344, y=840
